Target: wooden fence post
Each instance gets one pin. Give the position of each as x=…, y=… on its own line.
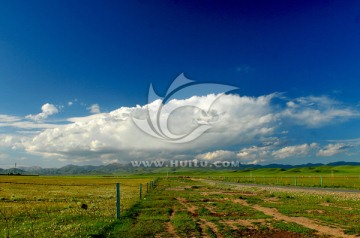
x=321, y=181
x=118, y=201
x=140, y=191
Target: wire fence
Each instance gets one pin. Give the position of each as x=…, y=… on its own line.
x=349, y=182
x=77, y=207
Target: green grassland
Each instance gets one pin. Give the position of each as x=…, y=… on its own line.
x=184, y=204
x=32, y=206
x=321, y=176
x=183, y=207
x=325, y=170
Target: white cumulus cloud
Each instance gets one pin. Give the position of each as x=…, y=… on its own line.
x=317, y=111
x=217, y=155
x=332, y=149
x=254, y=154
x=95, y=108
x=234, y=119
x=296, y=150
x=47, y=110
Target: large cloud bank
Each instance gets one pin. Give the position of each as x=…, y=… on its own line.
x=240, y=127
x=232, y=118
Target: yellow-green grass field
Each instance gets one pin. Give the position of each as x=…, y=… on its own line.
x=347, y=177
x=84, y=206
x=35, y=206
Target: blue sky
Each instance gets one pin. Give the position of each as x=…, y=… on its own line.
x=76, y=55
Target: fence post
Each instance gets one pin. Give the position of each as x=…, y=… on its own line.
x=321, y=181
x=147, y=187
x=140, y=191
x=118, y=201
x=295, y=181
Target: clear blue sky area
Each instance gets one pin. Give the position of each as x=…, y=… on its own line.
x=108, y=53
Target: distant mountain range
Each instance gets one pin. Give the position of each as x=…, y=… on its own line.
x=69, y=170
x=118, y=169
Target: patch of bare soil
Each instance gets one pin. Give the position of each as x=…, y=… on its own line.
x=225, y=192
x=212, y=226
x=213, y=212
x=269, y=234
x=316, y=211
x=170, y=227
x=178, y=188
x=190, y=208
x=240, y=201
x=326, y=204
x=306, y=222
x=272, y=200
x=251, y=230
x=245, y=223
x=204, y=224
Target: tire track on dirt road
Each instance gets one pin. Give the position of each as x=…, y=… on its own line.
x=203, y=222
x=170, y=227
x=306, y=222
x=303, y=221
